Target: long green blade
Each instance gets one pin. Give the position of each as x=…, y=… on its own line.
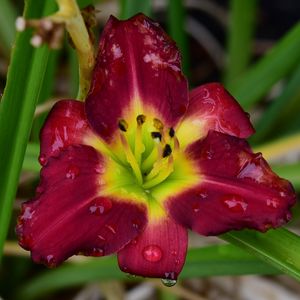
x=24, y=82
x=176, y=28
x=212, y=260
x=283, y=57
x=240, y=37
x=280, y=247
x=128, y=8
x=7, y=26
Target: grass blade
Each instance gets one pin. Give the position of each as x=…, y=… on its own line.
x=176, y=28
x=280, y=247
x=240, y=35
x=277, y=63
x=128, y=8
x=212, y=260
x=17, y=110
x=276, y=119
x=8, y=16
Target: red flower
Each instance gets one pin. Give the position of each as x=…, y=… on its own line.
x=142, y=160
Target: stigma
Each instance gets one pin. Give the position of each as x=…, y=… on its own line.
x=149, y=149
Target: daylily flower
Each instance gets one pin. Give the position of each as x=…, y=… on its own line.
x=143, y=160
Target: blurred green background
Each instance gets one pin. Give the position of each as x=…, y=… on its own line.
x=252, y=47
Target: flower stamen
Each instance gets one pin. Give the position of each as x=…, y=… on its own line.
x=139, y=147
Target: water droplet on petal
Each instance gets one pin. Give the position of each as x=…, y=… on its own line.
x=95, y=252
x=50, y=260
x=72, y=172
x=39, y=190
x=196, y=207
x=111, y=228
x=27, y=214
x=177, y=261
x=174, y=252
x=168, y=282
x=100, y=206
x=272, y=203
x=235, y=203
x=42, y=159
x=136, y=224
x=100, y=169
x=152, y=253
x=133, y=242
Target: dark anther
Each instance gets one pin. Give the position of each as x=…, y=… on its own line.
x=158, y=124
x=123, y=125
x=156, y=135
x=171, y=132
x=167, y=150
x=140, y=119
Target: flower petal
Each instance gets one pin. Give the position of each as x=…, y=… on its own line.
x=137, y=71
x=66, y=125
x=211, y=107
x=237, y=189
x=69, y=215
x=159, y=251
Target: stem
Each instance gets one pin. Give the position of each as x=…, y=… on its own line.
x=70, y=15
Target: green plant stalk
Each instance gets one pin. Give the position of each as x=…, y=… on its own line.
x=240, y=37
x=201, y=262
x=176, y=28
x=7, y=26
x=281, y=112
x=24, y=81
x=277, y=63
x=280, y=247
x=132, y=7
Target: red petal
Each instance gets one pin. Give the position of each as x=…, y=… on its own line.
x=211, y=107
x=137, y=61
x=69, y=215
x=66, y=124
x=237, y=189
x=158, y=252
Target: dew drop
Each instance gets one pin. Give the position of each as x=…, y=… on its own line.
x=272, y=203
x=99, y=169
x=152, y=253
x=100, y=206
x=50, y=260
x=235, y=203
x=133, y=242
x=174, y=252
x=168, y=282
x=39, y=190
x=95, y=252
x=72, y=172
x=27, y=214
x=111, y=229
x=177, y=261
x=42, y=159
x=196, y=207
x=136, y=224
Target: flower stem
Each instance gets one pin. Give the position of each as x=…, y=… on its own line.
x=70, y=15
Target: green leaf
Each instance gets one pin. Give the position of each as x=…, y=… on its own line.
x=280, y=247
x=30, y=162
x=8, y=16
x=212, y=260
x=240, y=37
x=24, y=81
x=290, y=172
x=277, y=63
x=128, y=8
x=276, y=119
x=176, y=28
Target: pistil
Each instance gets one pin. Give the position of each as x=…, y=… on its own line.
x=128, y=152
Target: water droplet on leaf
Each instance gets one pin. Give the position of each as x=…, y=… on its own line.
x=42, y=159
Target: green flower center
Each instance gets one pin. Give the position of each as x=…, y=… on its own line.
x=149, y=154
